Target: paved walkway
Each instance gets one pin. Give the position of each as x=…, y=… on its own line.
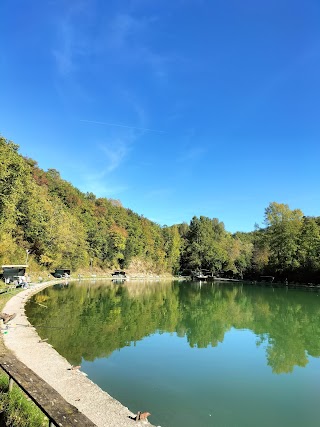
x=23, y=340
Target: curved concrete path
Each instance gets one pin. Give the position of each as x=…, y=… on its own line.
x=23, y=340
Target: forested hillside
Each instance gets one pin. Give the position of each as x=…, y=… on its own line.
x=60, y=226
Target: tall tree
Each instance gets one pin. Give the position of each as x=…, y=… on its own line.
x=283, y=228
x=206, y=245
x=309, y=245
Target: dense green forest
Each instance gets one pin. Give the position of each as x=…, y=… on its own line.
x=60, y=226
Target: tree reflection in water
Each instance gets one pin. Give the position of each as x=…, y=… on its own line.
x=91, y=321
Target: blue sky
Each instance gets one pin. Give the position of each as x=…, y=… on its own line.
x=177, y=108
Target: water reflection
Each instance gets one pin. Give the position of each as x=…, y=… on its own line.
x=91, y=320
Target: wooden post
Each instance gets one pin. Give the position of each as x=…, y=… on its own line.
x=10, y=384
x=51, y=424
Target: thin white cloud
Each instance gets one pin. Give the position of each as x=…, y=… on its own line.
x=127, y=39
x=120, y=141
x=115, y=152
x=96, y=185
x=122, y=126
x=72, y=41
x=123, y=38
x=193, y=150
x=63, y=54
x=106, y=156
x=123, y=28
x=192, y=154
x=100, y=182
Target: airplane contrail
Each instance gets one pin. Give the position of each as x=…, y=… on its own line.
x=122, y=126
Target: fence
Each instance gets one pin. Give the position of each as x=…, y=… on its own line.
x=59, y=412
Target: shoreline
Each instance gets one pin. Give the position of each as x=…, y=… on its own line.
x=74, y=386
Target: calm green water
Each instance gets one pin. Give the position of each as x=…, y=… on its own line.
x=192, y=355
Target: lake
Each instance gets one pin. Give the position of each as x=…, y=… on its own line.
x=191, y=353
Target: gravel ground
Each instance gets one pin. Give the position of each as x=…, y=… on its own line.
x=23, y=340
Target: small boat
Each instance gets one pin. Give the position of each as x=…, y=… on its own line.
x=199, y=275
x=60, y=273
x=119, y=276
x=268, y=279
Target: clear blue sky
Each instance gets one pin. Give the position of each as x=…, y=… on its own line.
x=177, y=108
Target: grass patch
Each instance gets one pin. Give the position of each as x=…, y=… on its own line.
x=17, y=408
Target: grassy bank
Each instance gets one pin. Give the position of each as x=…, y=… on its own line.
x=16, y=409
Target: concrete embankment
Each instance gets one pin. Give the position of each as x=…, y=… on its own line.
x=22, y=339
